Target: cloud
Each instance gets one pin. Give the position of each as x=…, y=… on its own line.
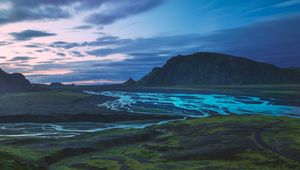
x=48, y=72
x=93, y=82
x=32, y=46
x=123, y=9
x=103, y=52
x=74, y=72
x=46, y=62
x=161, y=45
x=4, y=43
x=145, y=53
x=21, y=58
x=61, y=54
x=29, y=34
x=77, y=54
x=83, y=27
x=287, y=3
x=102, y=41
x=18, y=10
x=43, y=50
x=107, y=40
x=276, y=42
x=28, y=10
x=65, y=45
x=282, y=4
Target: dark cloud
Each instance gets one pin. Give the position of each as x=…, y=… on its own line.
x=61, y=54
x=19, y=10
x=102, y=41
x=107, y=40
x=144, y=53
x=276, y=42
x=160, y=46
x=21, y=58
x=4, y=64
x=77, y=54
x=28, y=10
x=29, y=34
x=32, y=46
x=65, y=45
x=79, y=75
x=46, y=62
x=102, y=52
x=123, y=9
x=22, y=64
x=83, y=27
x=100, y=33
x=3, y=43
x=43, y=50
x=2, y=57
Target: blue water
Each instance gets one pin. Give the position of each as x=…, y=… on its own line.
x=62, y=130
x=195, y=105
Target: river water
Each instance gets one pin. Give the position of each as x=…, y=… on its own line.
x=185, y=104
x=195, y=105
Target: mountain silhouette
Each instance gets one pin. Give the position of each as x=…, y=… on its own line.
x=129, y=82
x=13, y=82
x=217, y=69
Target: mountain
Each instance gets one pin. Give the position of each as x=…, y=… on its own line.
x=295, y=68
x=129, y=82
x=13, y=82
x=217, y=69
x=56, y=84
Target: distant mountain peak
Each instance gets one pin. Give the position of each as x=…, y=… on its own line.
x=56, y=84
x=13, y=82
x=130, y=82
x=2, y=72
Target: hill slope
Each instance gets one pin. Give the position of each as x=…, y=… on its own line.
x=217, y=69
x=129, y=82
x=13, y=82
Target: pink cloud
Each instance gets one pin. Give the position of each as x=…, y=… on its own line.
x=93, y=82
x=49, y=72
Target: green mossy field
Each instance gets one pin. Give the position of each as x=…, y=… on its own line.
x=217, y=142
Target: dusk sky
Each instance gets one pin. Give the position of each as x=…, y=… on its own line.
x=108, y=41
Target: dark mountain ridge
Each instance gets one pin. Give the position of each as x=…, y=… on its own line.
x=217, y=69
x=129, y=82
x=13, y=82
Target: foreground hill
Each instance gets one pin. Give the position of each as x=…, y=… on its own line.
x=295, y=68
x=13, y=82
x=221, y=143
x=217, y=69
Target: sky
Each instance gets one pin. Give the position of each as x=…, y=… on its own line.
x=109, y=41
